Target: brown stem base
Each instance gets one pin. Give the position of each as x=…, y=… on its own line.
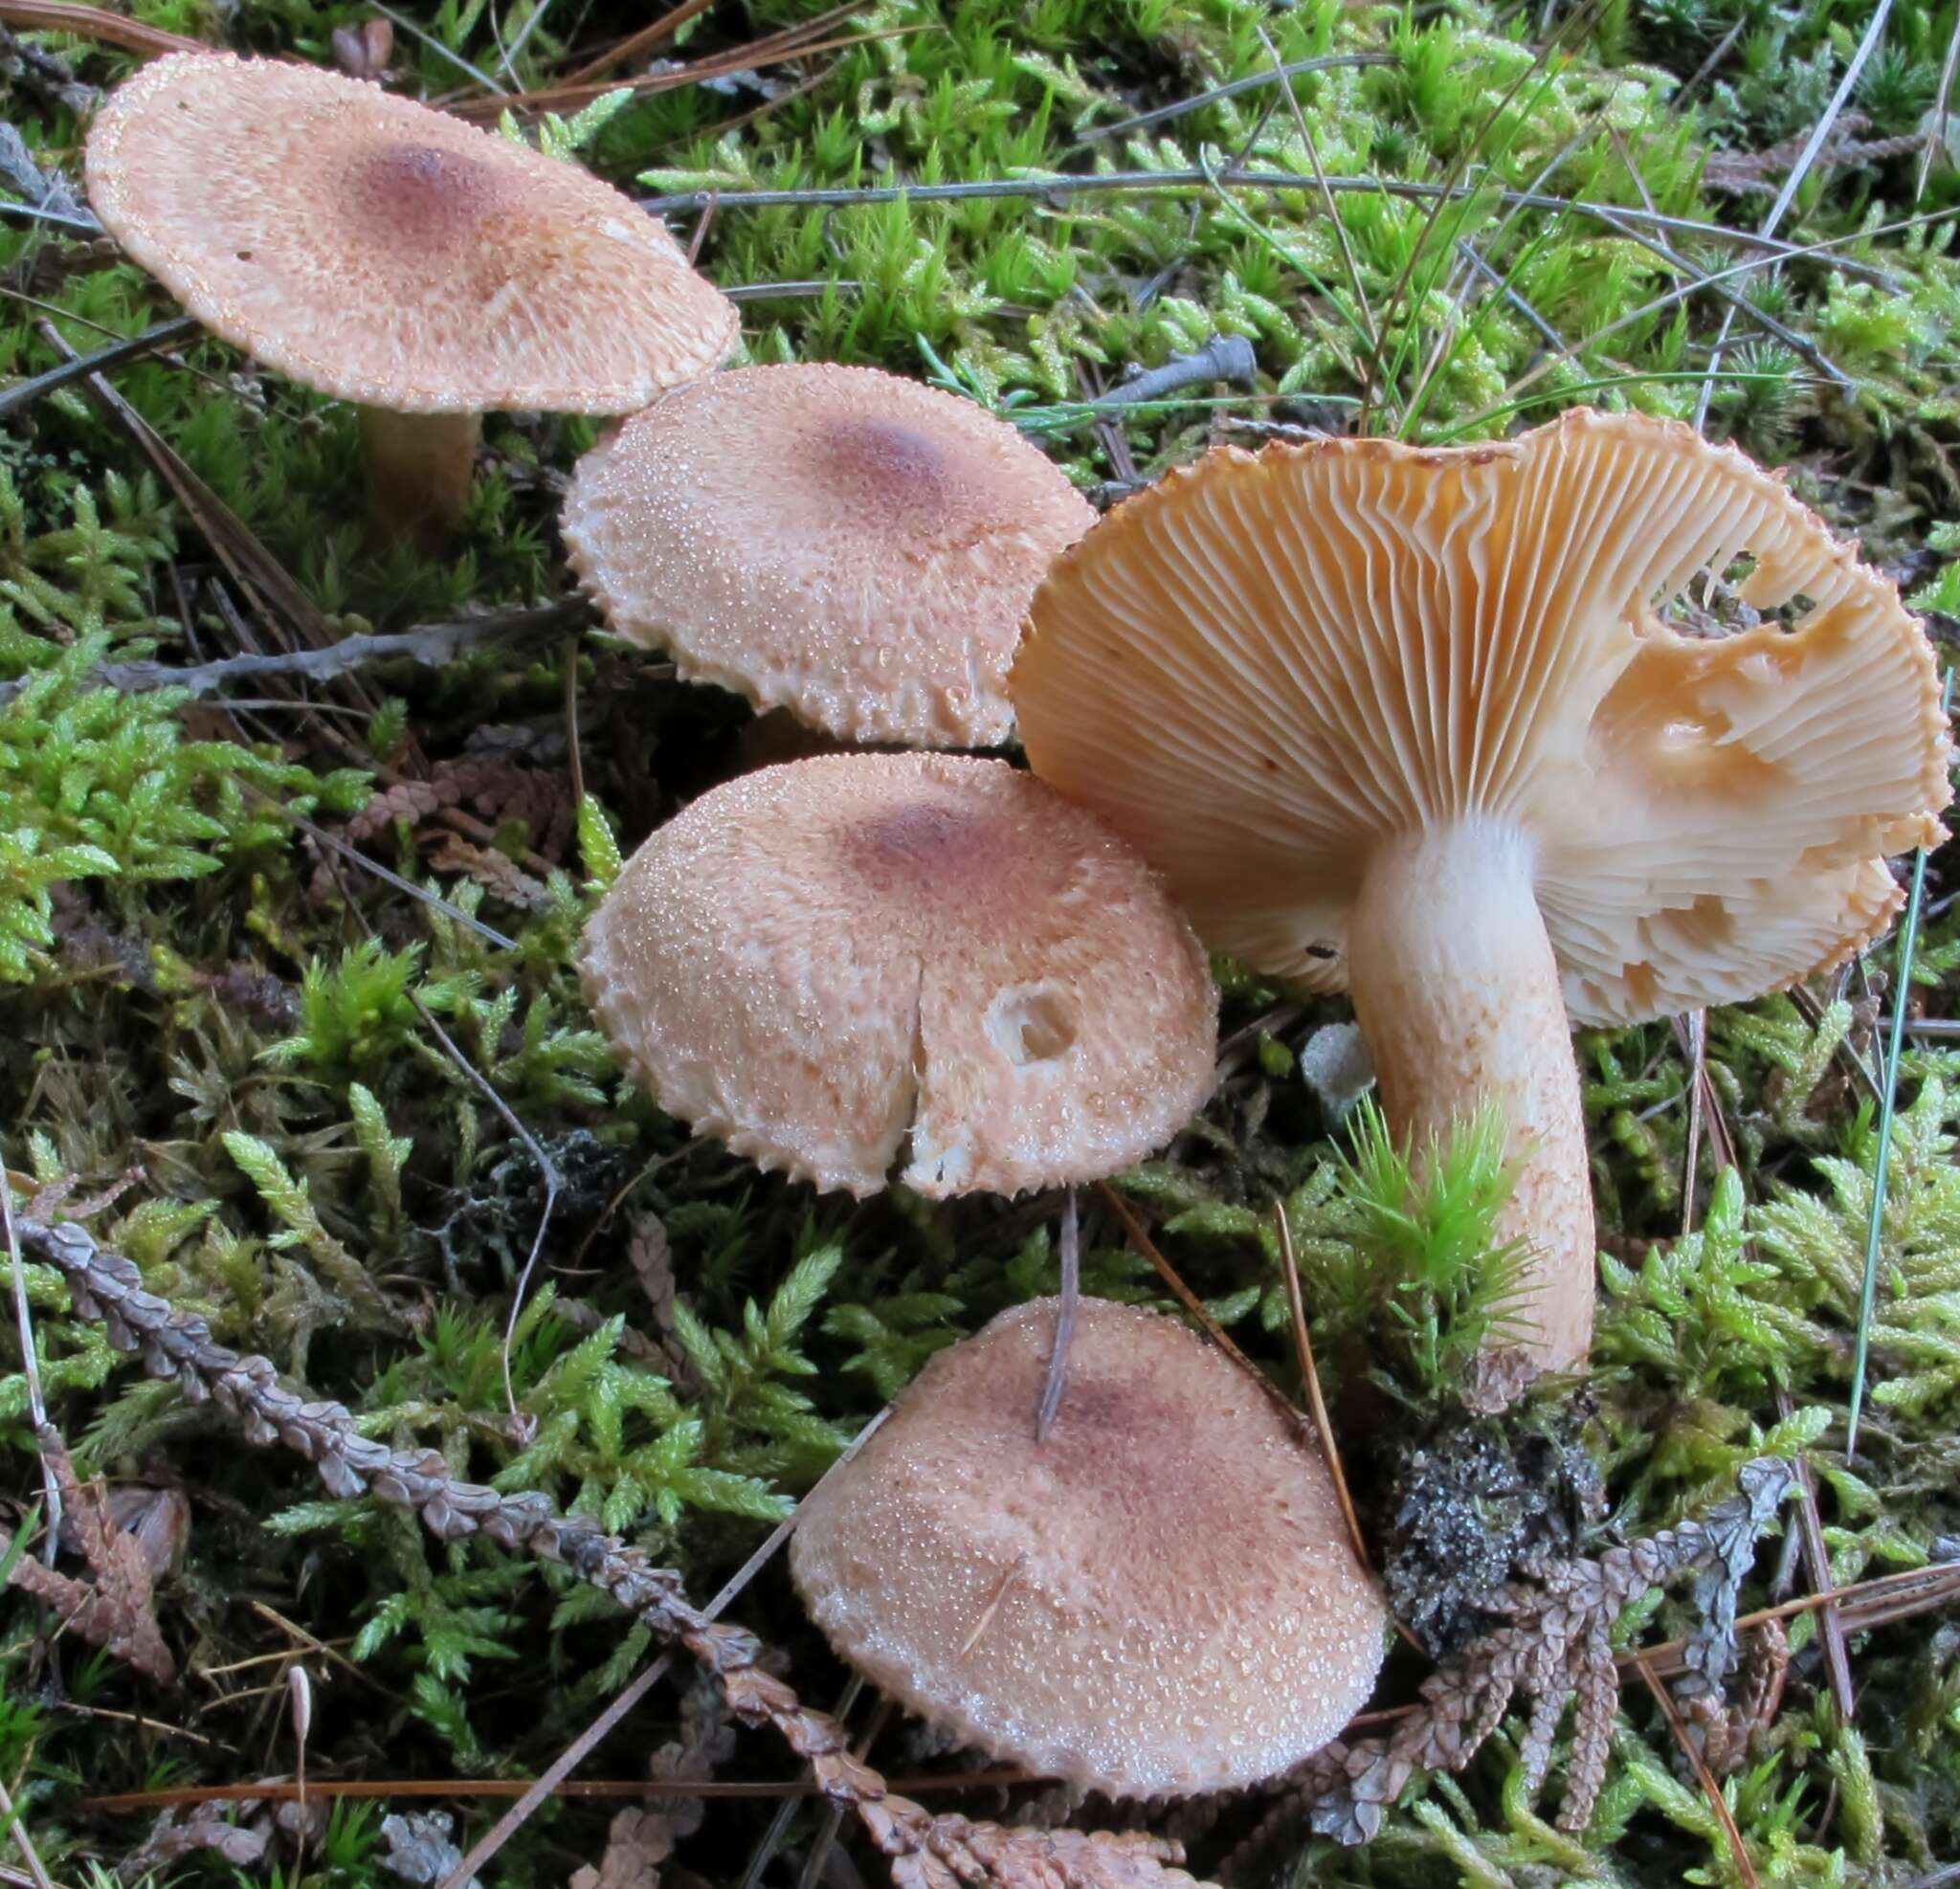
x=420, y=467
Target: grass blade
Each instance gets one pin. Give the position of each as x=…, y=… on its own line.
x=1908, y=939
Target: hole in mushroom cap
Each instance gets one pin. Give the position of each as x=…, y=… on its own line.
x=1031, y=1025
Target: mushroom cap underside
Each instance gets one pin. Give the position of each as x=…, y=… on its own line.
x=1332, y=644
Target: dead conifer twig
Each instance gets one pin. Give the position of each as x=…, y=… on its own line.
x=925, y=1850
x=431, y=645
x=1553, y=1640
x=1223, y=357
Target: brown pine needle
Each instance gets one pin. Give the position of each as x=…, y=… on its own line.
x=993, y=1601
x=1880, y=1602
x=1302, y=1341
x=1744, y=1868
x=95, y=23
x=470, y=1790
x=637, y=45
x=1184, y=1295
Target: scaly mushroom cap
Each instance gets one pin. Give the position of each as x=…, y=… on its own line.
x=817, y=960
x=1334, y=643
x=380, y=251
x=1158, y=1599
x=851, y=546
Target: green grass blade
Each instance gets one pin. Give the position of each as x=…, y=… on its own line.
x=1901, y=996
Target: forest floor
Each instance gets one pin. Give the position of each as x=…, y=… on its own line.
x=286, y=967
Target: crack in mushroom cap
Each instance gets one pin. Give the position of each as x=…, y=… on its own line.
x=850, y=545
x=1332, y=643
x=817, y=960
x=1159, y=1599
x=380, y=251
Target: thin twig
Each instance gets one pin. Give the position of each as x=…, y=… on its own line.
x=1701, y=279
x=432, y=644
x=1064, y=1321
x=772, y=1838
x=133, y=347
x=35, y=213
x=1232, y=89
x=474, y=1789
x=1943, y=99
x=1794, y=339
x=1364, y=313
x=436, y=47
x=1543, y=329
x=31, y=1364
x=803, y=40
x=1798, y=171
x=635, y=44
x=1706, y=71
x=1817, y=1563
x=96, y=24
x=812, y=1873
x=1062, y=183
x=320, y=836
x=548, y=1782
x=1185, y=1296
x=1901, y=1000
x=1691, y=1159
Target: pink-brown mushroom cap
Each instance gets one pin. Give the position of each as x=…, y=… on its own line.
x=838, y=541
x=1160, y=1598
x=826, y=963
x=380, y=251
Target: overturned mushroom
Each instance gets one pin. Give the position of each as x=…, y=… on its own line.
x=855, y=547
x=376, y=250
x=1410, y=722
x=1159, y=1599
x=831, y=962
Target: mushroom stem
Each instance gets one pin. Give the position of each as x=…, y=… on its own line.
x=1458, y=992
x=420, y=467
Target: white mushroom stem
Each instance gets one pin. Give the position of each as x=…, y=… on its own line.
x=1458, y=993
x=420, y=467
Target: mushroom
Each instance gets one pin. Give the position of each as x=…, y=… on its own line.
x=1410, y=723
x=1159, y=1599
x=818, y=961
x=855, y=547
x=386, y=254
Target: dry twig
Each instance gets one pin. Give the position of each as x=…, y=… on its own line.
x=926, y=1851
